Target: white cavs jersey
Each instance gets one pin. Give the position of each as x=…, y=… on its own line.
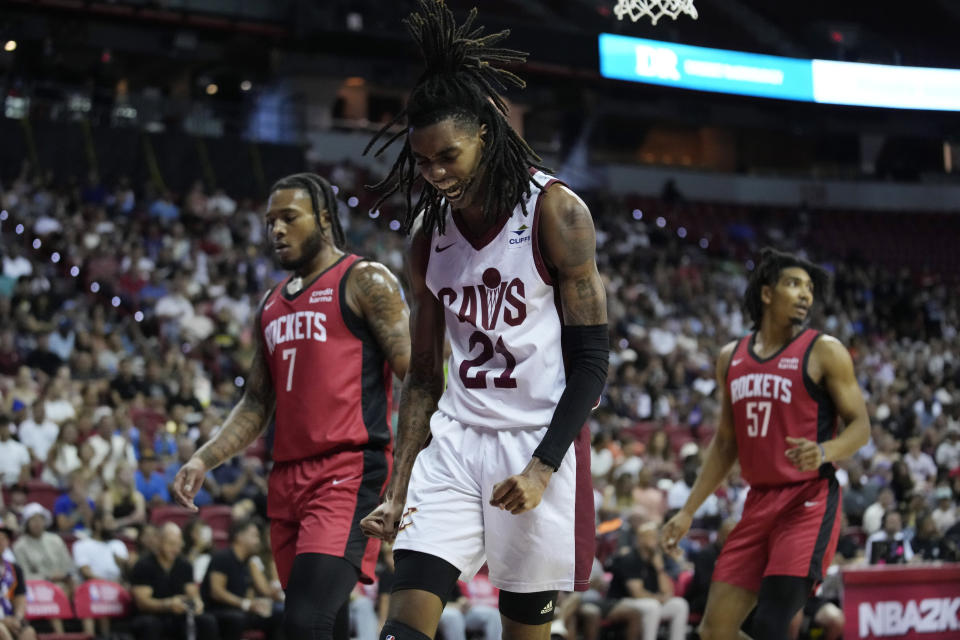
x=503, y=319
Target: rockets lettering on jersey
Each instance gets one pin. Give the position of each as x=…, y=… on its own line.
x=300, y=325
x=761, y=385
x=773, y=398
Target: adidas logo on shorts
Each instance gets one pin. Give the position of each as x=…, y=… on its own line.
x=547, y=609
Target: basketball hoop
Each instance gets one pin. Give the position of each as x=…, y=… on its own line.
x=656, y=9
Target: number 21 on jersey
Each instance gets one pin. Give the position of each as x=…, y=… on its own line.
x=758, y=418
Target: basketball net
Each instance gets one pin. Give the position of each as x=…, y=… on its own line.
x=656, y=9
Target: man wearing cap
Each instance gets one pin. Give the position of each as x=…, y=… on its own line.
x=44, y=555
x=14, y=457
x=13, y=595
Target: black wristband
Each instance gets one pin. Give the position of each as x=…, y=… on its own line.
x=587, y=349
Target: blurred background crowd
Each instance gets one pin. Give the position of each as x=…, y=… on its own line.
x=129, y=335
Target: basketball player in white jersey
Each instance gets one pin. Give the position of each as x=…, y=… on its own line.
x=502, y=257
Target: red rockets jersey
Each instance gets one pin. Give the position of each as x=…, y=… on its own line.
x=774, y=398
x=333, y=384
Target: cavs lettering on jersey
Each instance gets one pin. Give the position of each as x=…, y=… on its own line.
x=502, y=314
x=332, y=382
x=774, y=398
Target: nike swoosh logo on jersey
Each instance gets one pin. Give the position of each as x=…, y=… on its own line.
x=737, y=361
x=268, y=305
x=440, y=249
x=341, y=480
x=810, y=503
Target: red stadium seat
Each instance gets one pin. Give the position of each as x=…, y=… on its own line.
x=218, y=516
x=170, y=513
x=47, y=601
x=683, y=583
x=42, y=492
x=102, y=599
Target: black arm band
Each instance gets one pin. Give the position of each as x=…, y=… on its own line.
x=587, y=349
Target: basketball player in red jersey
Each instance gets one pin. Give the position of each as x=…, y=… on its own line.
x=330, y=337
x=502, y=262
x=784, y=385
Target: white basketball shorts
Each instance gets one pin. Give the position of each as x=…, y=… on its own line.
x=448, y=512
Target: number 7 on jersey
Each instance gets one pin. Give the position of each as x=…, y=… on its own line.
x=291, y=354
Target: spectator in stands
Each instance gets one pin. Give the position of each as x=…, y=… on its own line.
x=43, y=555
x=680, y=490
x=859, y=493
x=165, y=595
x=948, y=453
x=43, y=358
x=889, y=545
x=228, y=591
x=100, y=557
x=62, y=341
x=197, y=545
x=125, y=385
x=73, y=509
x=929, y=543
x=24, y=389
x=873, y=516
x=122, y=504
x=266, y=580
x=639, y=577
x=241, y=477
x=149, y=481
x=704, y=560
x=110, y=447
x=945, y=515
x=63, y=457
x=10, y=358
x=14, y=456
x=186, y=448
x=901, y=481
x=13, y=595
x=38, y=433
x=923, y=470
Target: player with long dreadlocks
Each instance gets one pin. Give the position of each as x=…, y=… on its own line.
x=328, y=338
x=502, y=262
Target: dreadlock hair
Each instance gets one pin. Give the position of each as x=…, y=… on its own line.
x=319, y=190
x=767, y=273
x=461, y=81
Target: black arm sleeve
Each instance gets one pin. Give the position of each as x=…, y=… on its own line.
x=587, y=349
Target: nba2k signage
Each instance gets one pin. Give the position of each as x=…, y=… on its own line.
x=902, y=602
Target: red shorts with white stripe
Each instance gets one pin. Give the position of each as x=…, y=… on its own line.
x=790, y=530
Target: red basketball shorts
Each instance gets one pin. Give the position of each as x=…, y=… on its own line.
x=785, y=531
x=315, y=506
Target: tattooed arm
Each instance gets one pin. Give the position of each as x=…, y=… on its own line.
x=374, y=294
x=568, y=243
x=421, y=389
x=244, y=424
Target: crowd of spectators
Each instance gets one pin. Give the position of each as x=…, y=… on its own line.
x=128, y=327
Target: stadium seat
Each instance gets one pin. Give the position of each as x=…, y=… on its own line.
x=102, y=599
x=218, y=516
x=170, y=513
x=42, y=492
x=47, y=601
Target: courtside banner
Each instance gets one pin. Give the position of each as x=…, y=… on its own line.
x=752, y=74
x=906, y=602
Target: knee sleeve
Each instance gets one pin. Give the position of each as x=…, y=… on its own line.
x=393, y=630
x=528, y=608
x=779, y=600
x=416, y=570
